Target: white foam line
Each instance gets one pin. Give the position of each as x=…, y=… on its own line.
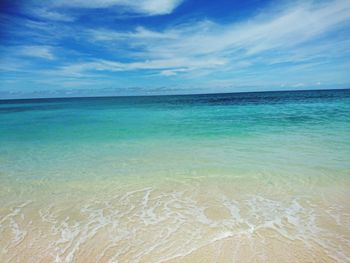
x=128, y=194
x=16, y=210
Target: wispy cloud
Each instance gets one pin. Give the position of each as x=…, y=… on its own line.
x=300, y=42
x=51, y=15
x=146, y=7
x=173, y=65
x=207, y=44
x=44, y=52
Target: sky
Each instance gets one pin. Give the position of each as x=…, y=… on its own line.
x=59, y=48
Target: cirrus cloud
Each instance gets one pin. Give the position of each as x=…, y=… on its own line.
x=145, y=7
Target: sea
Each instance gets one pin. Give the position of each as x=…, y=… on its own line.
x=236, y=177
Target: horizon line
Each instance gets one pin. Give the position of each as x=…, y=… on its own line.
x=168, y=95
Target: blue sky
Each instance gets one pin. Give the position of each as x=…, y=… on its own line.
x=128, y=47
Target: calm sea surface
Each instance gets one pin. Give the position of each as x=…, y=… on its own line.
x=245, y=177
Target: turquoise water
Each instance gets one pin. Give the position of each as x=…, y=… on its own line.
x=234, y=131
x=281, y=156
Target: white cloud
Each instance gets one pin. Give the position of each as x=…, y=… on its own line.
x=51, y=15
x=173, y=66
x=44, y=52
x=298, y=85
x=140, y=33
x=172, y=72
x=295, y=25
x=206, y=44
x=294, y=33
x=146, y=7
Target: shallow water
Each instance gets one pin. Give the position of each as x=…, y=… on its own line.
x=250, y=177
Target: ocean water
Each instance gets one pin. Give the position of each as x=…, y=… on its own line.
x=245, y=177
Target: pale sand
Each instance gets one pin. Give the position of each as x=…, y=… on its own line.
x=200, y=220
